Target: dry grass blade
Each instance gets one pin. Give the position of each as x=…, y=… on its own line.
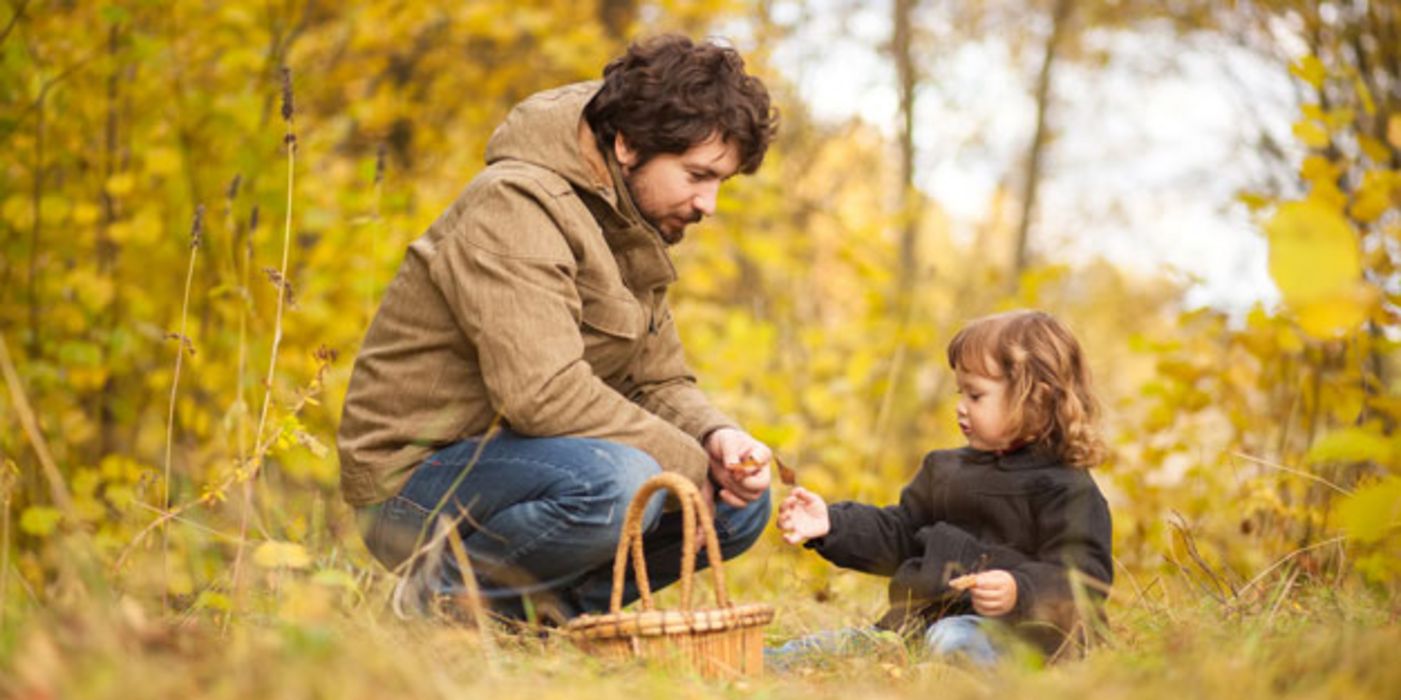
x=472, y=596
x=57, y=488
x=1220, y=586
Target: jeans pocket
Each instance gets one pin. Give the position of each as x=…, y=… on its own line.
x=398, y=527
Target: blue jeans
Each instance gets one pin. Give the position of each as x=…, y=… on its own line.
x=958, y=636
x=540, y=519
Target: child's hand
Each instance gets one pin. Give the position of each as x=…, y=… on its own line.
x=994, y=593
x=803, y=516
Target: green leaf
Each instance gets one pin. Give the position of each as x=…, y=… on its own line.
x=39, y=521
x=1373, y=511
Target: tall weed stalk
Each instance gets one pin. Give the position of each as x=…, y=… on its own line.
x=183, y=344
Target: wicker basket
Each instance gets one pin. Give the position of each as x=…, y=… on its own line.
x=726, y=641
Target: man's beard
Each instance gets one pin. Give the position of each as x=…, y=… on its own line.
x=668, y=237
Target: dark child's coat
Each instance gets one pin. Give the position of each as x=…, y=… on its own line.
x=966, y=511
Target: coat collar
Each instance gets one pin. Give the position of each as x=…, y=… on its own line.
x=1024, y=458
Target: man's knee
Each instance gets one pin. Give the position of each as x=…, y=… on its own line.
x=620, y=472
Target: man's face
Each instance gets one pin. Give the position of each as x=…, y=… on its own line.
x=674, y=190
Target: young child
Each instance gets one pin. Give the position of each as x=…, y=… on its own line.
x=991, y=531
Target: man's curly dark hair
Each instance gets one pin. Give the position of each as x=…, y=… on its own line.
x=667, y=94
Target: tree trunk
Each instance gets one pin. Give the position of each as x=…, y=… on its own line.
x=1060, y=17
x=908, y=201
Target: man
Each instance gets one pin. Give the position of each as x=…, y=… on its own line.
x=523, y=376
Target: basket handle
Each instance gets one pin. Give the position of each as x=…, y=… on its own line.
x=691, y=508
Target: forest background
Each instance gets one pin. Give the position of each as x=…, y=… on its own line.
x=202, y=202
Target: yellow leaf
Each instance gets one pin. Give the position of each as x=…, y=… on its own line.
x=1313, y=252
x=1338, y=119
x=86, y=213
x=1336, y=314
x=1311, y=134
x=1252, y=201
x=1372, y=512
x=121, y=184
x=1369, y=105
x=273, y=555
x=1310, y=70
x=211, y=600
x=1352, y=445
x=1393, y=130
x=39, y=520
x=18, y=212
x=162, y=160
x=1373, y=197
x=1370, y=205
x=1327, y=194
x=1374, y=149
x=1316, y=168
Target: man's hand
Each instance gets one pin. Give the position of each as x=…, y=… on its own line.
x=994, y=593
x=803, y=516
x=739, y=464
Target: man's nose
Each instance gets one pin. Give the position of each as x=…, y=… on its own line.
x=705, y=198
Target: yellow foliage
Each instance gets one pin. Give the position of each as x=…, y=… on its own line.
x=1313, y=252
x=1311, y=70
x=1311, y=133
x=1374, y=511
x=276, y=555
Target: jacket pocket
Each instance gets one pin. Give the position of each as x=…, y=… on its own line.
x=620, y=318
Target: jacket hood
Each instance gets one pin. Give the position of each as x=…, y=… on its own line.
x=544, y=130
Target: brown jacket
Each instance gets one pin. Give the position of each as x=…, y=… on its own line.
x=539, y=296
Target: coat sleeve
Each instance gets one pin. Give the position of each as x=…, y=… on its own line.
x=878, y=540
x=508, y=277
x=1075, y=535
x=665, y=385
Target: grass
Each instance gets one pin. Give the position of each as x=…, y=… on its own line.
x=312, y=636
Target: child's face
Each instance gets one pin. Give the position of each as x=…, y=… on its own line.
x=983, y=411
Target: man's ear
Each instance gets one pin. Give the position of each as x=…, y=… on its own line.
x=623, y=152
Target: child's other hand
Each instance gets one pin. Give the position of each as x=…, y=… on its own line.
x=803, y=516
x=994, y=593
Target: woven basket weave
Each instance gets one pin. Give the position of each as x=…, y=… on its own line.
x=726, y=641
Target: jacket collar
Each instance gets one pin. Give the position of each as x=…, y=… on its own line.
x=638, y=247
x=1024, y=458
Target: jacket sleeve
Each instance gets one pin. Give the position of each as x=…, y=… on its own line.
x=508, y=277
x=878, y=540
x=665, y=385
x=1075, y=536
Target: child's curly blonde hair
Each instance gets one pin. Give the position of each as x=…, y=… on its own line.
x=1049, y=398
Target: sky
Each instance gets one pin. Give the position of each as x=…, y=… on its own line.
x=1149, y=155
